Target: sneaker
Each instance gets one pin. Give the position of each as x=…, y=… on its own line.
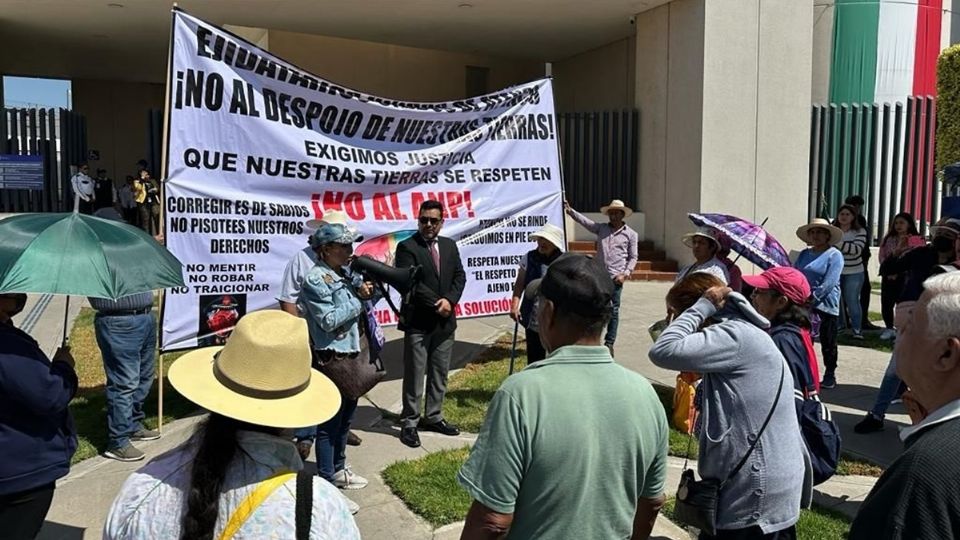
x=869, y=424
x=347, y=479
x=126, y=453
x=858, y=336
x=829, y=381
x=352, y=506
x=145, y=435
x=888, y=334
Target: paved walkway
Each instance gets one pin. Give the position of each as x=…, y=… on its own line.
x=84, y=497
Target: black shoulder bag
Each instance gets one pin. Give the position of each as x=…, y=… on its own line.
x=696, y=503
x=304, y=513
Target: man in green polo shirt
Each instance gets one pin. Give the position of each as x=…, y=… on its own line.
x=574, y=446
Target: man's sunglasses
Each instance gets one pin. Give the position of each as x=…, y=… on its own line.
x=430, y=220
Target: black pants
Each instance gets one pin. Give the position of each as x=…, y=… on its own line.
x=752, y=533
x=22, y=514
x=535, y=350
x=890, y=290
x=865, y=291
x=828, y=340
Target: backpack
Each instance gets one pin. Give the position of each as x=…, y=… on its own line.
x=820, y=434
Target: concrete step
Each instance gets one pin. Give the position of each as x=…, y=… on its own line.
x=639, y=275
x=589, y=245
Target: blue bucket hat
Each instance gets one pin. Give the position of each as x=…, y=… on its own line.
x=334, y=233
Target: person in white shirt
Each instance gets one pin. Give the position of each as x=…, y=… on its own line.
x=83, y=192
x=705, y=246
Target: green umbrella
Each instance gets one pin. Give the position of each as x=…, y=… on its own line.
x=72, y=253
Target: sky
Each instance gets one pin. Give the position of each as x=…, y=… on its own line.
x=30, y=92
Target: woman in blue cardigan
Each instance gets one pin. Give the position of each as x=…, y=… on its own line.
x=822, y=264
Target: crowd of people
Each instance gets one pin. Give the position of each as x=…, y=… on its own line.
x=137, y=201
x=287, y=381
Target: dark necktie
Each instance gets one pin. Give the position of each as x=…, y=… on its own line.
x=435, y=254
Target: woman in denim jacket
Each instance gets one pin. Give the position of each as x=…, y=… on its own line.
x=331, y=301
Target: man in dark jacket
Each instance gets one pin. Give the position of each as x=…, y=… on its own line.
x=917, y=496
x=428, y=321
x=37, y=437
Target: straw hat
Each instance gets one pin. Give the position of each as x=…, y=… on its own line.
x=551, y=233
x=261, y=376
x=330, y=216
x=705, y=232
x=617, y=204
x=803, y=233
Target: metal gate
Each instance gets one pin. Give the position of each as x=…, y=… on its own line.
x=883, y=152
x=599, y=153
x=60, y=137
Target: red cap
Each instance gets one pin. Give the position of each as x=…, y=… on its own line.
x=787, y=281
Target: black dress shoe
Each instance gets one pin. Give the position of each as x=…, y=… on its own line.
x=442, y=426
x=353, y=439
x=409, y=437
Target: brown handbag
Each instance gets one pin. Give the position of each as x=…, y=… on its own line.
x=353, y=373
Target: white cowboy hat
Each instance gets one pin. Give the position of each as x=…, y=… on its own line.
x=617, y=204
x=261, y=376
x=705, y=232
x=803, y=232
x=551, y=233
x=330, y=216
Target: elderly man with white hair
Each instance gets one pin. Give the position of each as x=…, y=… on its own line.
x=917, y=496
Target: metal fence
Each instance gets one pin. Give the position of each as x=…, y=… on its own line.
x=883, y=152
x=599, y=154
x=60, y=137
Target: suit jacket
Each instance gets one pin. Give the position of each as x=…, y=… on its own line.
x=417, y=311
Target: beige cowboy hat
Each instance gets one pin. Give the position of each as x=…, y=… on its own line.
x=803, y=233
x=705, y=232
x=261, y=376
x=551, y=233
x=617, y=204
x=330, y=216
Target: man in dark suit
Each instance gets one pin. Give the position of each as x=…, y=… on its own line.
x=428, y=321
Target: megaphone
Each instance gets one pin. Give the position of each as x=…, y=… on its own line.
x=401, y=279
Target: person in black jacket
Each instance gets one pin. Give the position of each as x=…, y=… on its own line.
x=428, y=321
x=37, y=437
x=917, y=496
x=780, y=294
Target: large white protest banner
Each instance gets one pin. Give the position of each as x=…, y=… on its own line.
x=256, y=147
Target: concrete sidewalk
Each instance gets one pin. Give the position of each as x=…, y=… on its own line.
x=83, y=498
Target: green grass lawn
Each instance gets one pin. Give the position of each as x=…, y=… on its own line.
x=470, y=390
x=814, y=524
x=89, y=407
x=428, y=486
x=871, y=340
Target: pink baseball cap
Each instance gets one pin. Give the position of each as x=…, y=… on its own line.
x=787, y=281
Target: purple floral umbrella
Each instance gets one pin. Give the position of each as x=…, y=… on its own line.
x=748, y=239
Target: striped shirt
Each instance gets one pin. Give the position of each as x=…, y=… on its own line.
x=852, y=245
x=132, y=302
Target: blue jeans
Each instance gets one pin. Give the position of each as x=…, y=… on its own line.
x=305, y=434
x=127, y=343
x=850, y=286
x=611, y=336
x=331, y=446
x=889, y=388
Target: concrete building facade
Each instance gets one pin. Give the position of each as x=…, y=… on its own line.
x=723, y=89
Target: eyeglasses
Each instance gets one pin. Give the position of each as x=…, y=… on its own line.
x=430, y=220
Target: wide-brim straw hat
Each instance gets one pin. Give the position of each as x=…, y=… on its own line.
x=803, y=233
x=705, y=232
x=551, y=233
x=330, y=216
x=261, y=376
x=616, y=204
